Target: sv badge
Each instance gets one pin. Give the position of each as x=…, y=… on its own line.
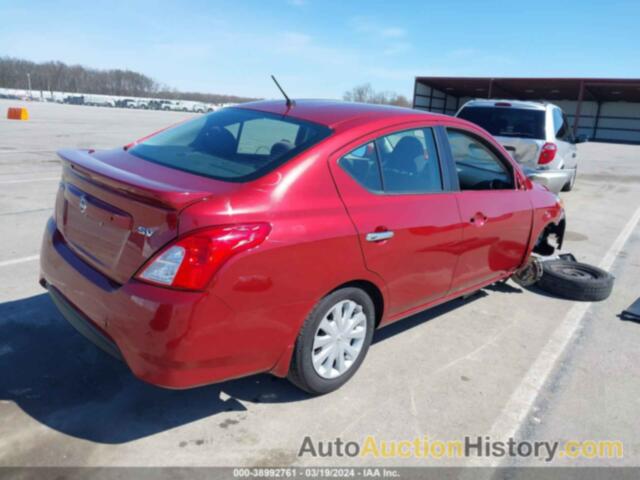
x=145, y=231
x=83, y=204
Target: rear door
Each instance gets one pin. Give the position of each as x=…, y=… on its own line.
x=407, y=221
x=496, y=213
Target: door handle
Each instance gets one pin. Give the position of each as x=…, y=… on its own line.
x=479, y=219
x=379, y=236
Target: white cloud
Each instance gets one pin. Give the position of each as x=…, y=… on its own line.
x=388, y=39
x=393, y=32
x=293, y=41
x=397, y=48
x=376, y=29
x=474, y=57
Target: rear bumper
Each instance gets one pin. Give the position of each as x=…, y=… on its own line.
x=554, y=180
x=169, y=338
x=83, y=325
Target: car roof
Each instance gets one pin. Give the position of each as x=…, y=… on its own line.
x=338, y=114
x=483, y=102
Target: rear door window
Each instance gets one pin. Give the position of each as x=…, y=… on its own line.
x=232, y=144
x=507, y=121
x=403, y=162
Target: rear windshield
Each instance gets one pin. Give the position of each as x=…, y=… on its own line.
x=232, y=144
x=507, y=121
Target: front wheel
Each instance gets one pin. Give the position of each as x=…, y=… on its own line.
x=333, y=341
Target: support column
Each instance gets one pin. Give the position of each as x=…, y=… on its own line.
x=578, y=109
x=595, y=124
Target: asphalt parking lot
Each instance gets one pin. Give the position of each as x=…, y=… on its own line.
x=506, y=361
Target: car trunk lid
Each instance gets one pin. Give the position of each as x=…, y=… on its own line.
x=116, y=210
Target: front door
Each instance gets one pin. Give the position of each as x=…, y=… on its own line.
x=496, y=214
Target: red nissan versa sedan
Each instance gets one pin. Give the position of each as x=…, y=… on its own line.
x=275, y=238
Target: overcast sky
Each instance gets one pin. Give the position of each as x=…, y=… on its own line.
x=320, y=48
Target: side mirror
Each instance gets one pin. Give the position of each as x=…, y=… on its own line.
x=526, y=183
x=582, y=138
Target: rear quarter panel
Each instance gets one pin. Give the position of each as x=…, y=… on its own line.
x=311, y=250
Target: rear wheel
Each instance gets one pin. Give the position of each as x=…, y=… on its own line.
x=333, y=341
x=569, y=185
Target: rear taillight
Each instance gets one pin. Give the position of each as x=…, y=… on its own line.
x=547, y=153
x=190, y=262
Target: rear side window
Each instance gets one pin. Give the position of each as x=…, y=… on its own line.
x=507, y=121
x=232, y=144
x=362, y=165
x=560, y=125
x=403, y=162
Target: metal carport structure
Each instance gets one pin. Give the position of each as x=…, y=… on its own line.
x=603, y=109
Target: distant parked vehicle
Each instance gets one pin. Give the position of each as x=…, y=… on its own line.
x=180, y=106
x=99, y=101
x=74, y=99
x=199, y=108
x=125, y=103
x=537, y=135
x=160, y=104
x=141, y=103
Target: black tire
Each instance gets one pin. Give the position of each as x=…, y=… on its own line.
x=569, y=185
x=301, y=372
x=575, y=280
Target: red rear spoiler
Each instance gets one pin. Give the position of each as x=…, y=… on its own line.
x=107, y=174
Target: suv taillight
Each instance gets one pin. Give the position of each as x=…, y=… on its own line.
x=547, y=153
x=190, y=262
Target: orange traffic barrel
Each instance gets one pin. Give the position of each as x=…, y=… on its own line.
x=17, y=113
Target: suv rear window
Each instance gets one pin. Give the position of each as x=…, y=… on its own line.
x=507, y=121
x=232, y=144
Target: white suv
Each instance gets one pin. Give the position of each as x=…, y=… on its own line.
x=537, y=135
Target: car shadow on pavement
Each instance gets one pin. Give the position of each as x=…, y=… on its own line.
x=424, y=316
x=538, y=291
x=503, y=287
x=63, y=381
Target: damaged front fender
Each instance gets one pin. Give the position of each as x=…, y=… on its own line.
x=551, y=238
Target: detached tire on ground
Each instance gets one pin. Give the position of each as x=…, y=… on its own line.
x=576, y=281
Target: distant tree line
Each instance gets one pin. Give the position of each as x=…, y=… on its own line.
x=58, y=76
x=366, y=94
